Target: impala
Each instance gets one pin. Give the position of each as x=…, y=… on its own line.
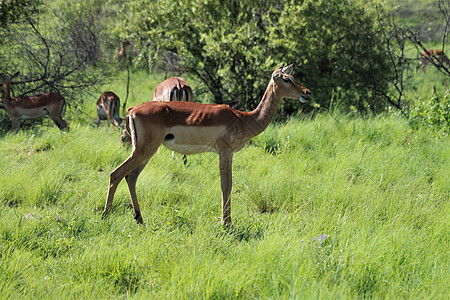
x=108, y=106
x=125, y=137
x=190, y=128
x=23, y=107
x=173, y=89
x=122, y=54
x=425, y=57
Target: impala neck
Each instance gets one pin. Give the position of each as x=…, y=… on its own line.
x=6, y=91
x=266, y=109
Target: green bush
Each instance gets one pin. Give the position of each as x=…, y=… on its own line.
x=233, y=47
x=433, y=113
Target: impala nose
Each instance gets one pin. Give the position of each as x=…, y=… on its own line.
x=304, y=99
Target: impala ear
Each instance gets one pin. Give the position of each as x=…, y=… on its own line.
x=277, y=73
x=288, y=69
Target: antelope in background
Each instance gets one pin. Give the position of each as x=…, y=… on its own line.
x=108, y=106
x=426, y=57
x=173, y=89
x=189, y=128
x=122, y=54
x=24, y=107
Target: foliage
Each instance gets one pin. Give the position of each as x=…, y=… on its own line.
x=337, y=43
x=56, y=50
x=232, y=46
x=12, y=11
x=433, y=112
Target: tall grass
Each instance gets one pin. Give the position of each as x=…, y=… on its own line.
x=321, y=209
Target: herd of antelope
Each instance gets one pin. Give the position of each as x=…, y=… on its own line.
x=172, y=119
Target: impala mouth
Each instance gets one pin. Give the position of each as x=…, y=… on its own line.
x=303, y=99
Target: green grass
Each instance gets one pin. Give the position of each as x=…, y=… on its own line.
x=320, y=209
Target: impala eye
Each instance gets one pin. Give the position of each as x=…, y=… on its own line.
x=286, y=79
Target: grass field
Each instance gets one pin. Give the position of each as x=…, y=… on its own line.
x=323, y=207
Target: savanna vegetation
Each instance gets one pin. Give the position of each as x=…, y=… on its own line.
x=344, y=197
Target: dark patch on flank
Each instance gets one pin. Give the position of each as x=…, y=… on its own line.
x=169, y=136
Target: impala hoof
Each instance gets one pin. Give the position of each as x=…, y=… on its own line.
x=138, y=218
x=105, y=214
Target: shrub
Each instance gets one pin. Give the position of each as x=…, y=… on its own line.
x=433, y=113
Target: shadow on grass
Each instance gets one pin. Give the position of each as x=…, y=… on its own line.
x=243, y=233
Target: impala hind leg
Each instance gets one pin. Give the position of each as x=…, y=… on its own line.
x=116, y=176
x=60, y=123
x=131, y=181
x=130, y=168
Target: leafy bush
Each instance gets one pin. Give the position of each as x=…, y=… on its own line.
x=433, y=113
x=233, y=47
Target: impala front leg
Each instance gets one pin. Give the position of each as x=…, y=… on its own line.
x=15, y=123
x=226, y=184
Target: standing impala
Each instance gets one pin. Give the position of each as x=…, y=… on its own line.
x=23, y=107
x=108, y=106
x=172, y=89
x=122, y=54
x=190, y=128
x=425, y=57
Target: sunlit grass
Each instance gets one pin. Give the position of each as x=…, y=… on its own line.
x=321, y=209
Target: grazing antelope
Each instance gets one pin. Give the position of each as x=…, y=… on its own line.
x=190, y=128
x=122, y=54
x=125, y=137
x=173, y=89
x=425, y=57
x=108, y=106
x=23, y=107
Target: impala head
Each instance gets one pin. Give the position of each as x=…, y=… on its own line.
x=288, y=86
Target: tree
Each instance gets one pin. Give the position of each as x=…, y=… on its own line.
x=335, y=42
x=52, y=54
x=232, y=46
x=397, y=36
x=13, y=11
x=221, y=42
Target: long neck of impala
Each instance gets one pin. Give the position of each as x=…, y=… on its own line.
x=6, y=91
x=263, y=114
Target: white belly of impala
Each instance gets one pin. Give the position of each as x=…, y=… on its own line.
x=188, y=149
x=193, y=139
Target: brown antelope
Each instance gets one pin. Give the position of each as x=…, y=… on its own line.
x=189, y=128
x=122, y=54
x=108, y=106
x=125, y=137
x=173, y=89
x=23, y=107
x=426, y=57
